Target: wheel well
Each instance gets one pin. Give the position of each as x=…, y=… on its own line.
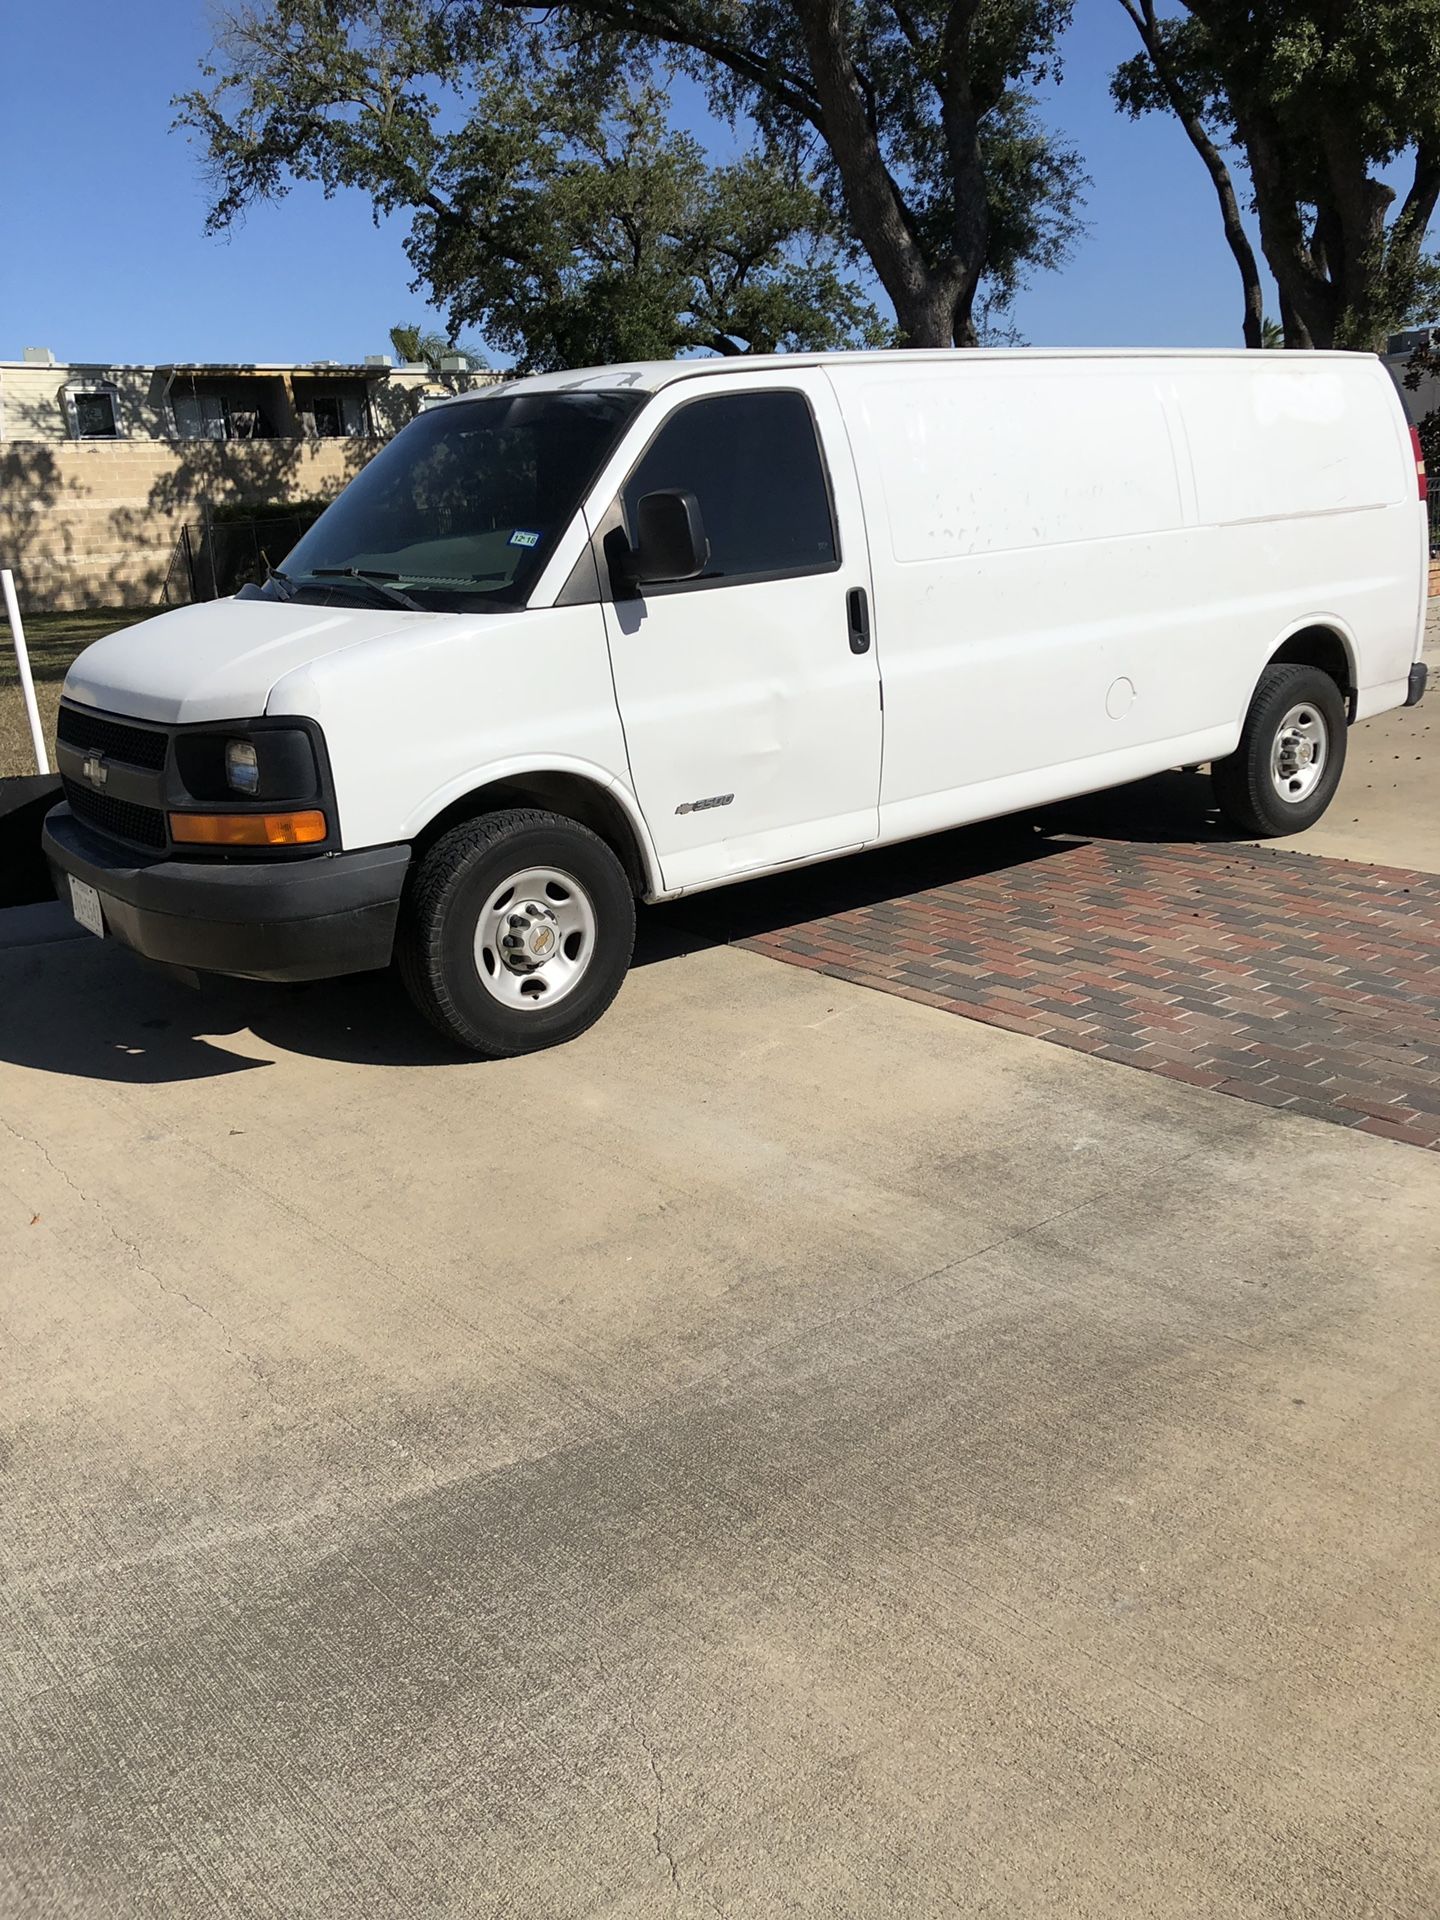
x=567, y=794
x=1319, y=647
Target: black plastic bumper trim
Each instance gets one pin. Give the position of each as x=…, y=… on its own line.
x=1419, y=674
x=257, y=920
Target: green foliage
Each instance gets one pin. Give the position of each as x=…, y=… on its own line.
x=552, y=207
x=242, y=512
x=305, y=90
x=555, y=207
x=1035, y=191
x=415, y=346
x=1319, y=100
x=1136, y=86
x=1422, y=366
x=916, y=116
x=597, y=234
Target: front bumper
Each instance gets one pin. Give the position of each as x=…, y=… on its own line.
x=306, y=919
x=1419, y=673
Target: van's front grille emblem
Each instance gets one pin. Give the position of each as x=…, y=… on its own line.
x=95, y=769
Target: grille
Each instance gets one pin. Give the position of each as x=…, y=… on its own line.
x=145, y=826
x=136, y=746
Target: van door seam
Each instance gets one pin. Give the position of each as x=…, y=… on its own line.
x=875, y=624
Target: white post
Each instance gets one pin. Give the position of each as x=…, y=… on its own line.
x=27, y=685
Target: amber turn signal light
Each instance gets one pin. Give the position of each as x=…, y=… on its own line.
x=248, y=829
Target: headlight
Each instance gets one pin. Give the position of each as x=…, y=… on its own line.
x=272, y=763
x=242, y=767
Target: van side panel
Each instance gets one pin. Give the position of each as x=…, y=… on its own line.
x=1082, y=566
x=1010, y=459
x=1294, y=441
x=1024, y=523
x=1307, y=511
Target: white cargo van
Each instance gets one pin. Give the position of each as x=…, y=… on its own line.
x=632, y=632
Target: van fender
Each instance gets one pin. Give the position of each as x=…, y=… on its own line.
x=518, y=767
x=1331, y=623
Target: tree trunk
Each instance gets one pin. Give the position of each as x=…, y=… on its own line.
x=932, y=300
x=1296, y=333
x=925, y=300
x=1304, y=286
x=1354, y=215
x=928, y=318
x=960, y=119
x=1404, y=246
x=1252, y=314
x=1252, y=318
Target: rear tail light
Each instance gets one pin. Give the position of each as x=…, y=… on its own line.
x=1420, y=481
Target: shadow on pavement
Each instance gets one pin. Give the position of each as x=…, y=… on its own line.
x=98, y=1013
x=1169, y=807
x=745, y=908
x=101, y=1014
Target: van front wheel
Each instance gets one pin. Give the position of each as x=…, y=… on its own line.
x=1284, y=773
x=517, y=933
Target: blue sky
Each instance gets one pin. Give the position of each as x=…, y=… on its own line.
x=103, y=257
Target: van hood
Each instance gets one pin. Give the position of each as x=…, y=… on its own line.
x=220, y=660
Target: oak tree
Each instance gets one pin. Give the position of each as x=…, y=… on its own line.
x=1320, y=100
x=894, y=134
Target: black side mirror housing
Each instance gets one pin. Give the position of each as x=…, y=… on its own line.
x=670, y=541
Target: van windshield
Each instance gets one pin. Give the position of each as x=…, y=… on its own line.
x=461, y=511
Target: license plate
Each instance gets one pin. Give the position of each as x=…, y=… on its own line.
x=85, y=905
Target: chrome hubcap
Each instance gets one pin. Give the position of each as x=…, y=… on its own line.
x=1298, y=755
x=534, y=938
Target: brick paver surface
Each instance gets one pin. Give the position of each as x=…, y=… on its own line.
x=1283, y=978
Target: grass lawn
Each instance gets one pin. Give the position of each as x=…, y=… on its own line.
x=54, y=639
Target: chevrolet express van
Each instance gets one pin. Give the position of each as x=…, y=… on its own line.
x=627, y=633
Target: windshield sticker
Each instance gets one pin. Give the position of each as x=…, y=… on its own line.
x=522, y=539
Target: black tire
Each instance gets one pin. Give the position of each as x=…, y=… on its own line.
x=1243, y=782
x=457, y=881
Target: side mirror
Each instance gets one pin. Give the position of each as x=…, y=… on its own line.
x=670, y=542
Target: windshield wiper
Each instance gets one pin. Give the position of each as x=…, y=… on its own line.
x=378, y=583
x=275, y=578
x=461, y=580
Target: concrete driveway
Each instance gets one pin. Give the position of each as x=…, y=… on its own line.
x=792, y=1452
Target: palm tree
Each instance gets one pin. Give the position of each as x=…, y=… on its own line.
x=1272, y=334
x=413, y=345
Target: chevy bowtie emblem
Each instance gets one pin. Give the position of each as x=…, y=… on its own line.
x=95, y=769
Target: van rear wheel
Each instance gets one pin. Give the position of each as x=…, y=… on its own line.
x=518, y=932
x=1284, y=773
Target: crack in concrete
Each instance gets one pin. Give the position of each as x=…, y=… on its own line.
x=138, y=1261
x=664, y=1853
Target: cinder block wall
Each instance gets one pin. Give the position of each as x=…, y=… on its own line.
x=94, y=523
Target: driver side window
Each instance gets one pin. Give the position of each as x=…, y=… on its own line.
x=753, y=462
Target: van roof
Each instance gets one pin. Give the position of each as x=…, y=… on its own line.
x=648, y=376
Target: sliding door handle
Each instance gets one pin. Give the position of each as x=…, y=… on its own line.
x=857, y=618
